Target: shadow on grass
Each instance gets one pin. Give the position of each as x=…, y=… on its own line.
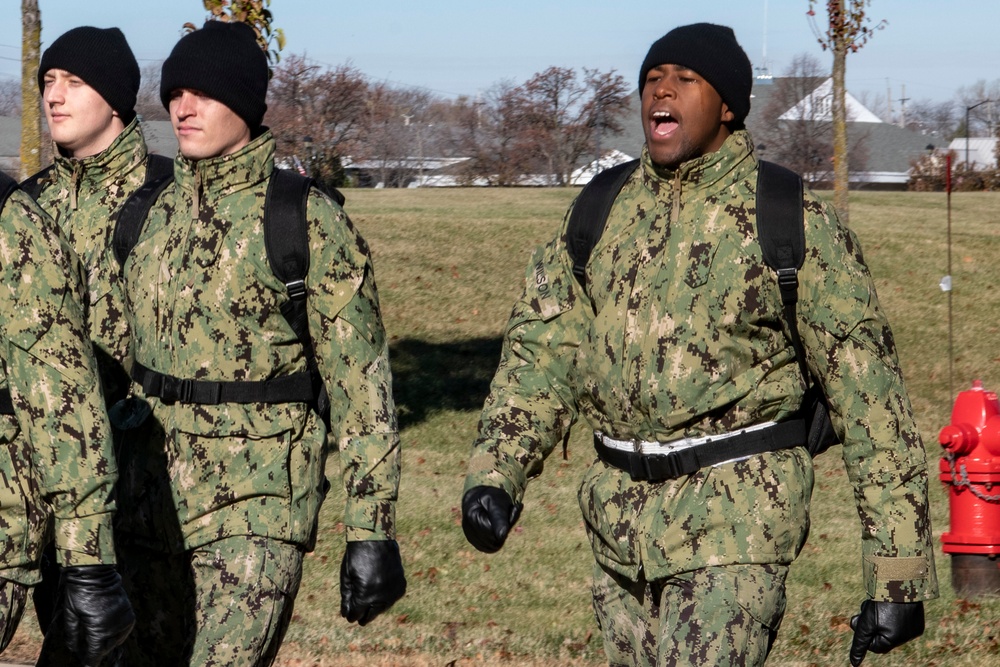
x=428, y=377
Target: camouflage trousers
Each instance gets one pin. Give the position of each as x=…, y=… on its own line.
x=13, y=596
x=716, y=616
x=226, y=603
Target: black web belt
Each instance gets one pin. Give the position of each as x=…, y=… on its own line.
x=295, y=388
x=726, y=447
x=6, y=403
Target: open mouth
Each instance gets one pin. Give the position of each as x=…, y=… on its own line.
x=662, y=124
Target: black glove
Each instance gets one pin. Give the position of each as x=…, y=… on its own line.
x=488, y=514
x=882, y=626
x=371, y=579
x=93, y=618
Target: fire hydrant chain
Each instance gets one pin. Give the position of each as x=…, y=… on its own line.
x=960, y=478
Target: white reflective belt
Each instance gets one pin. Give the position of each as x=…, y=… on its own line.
x=654, y=448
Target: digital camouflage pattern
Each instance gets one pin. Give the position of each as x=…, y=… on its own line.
x=13, y=596
x=231, y=601
x=682, y=335
x=205, y=305
x=714, y=616
x=60, y=442
x=82, y=196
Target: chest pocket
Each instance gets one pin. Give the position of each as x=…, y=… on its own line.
x=700, y=260
x=207, y=237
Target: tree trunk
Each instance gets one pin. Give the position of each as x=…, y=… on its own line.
x=31, y=113
x=841, y=174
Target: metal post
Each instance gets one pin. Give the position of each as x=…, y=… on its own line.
x=967, y=110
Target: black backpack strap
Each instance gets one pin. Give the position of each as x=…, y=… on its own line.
x=286, y=239
x=158, y=166
x=590, y=214
x=782, y=238
x=7, y=187
x=33, y=184
x=131, y=217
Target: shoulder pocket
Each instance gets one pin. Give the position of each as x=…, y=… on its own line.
x=548, y=289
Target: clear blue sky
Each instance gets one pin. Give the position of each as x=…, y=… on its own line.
x=461, y=47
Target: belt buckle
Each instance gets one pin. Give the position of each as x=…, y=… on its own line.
x=638, y=468
x=661, y=467
x=175, y=389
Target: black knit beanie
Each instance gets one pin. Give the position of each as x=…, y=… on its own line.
x=103, y=59
x=224, y=61
x=711, y=51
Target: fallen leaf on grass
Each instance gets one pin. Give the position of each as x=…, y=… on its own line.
x=840, y=624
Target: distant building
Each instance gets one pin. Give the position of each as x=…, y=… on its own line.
x=980, y=153
x=889, y=150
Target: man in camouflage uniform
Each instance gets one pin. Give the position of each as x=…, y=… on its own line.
x=58, y=469
x=679, y=334
x=89, y=80
x=247, y=474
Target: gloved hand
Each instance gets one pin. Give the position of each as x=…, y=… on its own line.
x=371, y=579
x=93, y=618
x=488, y=514
x=882, y=626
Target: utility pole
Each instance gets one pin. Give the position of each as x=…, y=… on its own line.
x=902, y=107
x=888, y=97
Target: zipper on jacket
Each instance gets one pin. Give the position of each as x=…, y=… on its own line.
x=675, y=209
x=196, y=195
x=74, y=184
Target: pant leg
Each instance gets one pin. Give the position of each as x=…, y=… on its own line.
x=725, y=616
x=160, y=587
x=627, y=614
x=245, y=588
x=13, y=596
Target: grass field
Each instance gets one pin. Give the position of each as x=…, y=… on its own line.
x=449, y=264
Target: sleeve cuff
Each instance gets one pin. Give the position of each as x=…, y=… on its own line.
x=899, y=579
x=366, y=520
x=85, y=540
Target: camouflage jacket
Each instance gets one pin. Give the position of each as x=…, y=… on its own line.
x=205, y=305
x=82, y=196
x=58, y=443
x=681, y=333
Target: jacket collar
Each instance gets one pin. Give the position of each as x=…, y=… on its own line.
x=224, y=175
x=733, y=161
x=125, y=154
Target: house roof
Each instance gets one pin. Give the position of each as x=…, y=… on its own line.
x=10, y=136
x=981, y=152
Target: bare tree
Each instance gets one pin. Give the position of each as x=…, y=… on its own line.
x=846, y=31
x=982, y=102
x=10, y=97
x=795, y=127
x=939, y=120
x=31, y=107
x=316, y=114
x=147, y=103
x=561, y=115
x=507, y=152
x=385, y=138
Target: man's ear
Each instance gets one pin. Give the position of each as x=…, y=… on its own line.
x=727, y=115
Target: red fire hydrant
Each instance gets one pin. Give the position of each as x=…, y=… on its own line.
x=971, y=470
